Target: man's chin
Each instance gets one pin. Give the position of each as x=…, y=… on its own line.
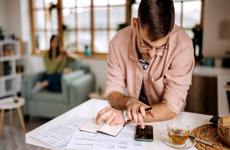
x=146, y=58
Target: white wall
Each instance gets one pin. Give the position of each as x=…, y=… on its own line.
x=25, y=23
x=215, y=11
x=99, y=69
x=13, y=17
x=2, y=15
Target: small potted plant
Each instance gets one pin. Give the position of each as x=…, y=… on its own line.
x=123, y=25
x=1, y=33
x=197, y=40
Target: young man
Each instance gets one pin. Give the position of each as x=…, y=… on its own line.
x=154, y=59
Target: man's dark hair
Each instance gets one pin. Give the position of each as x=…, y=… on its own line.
x=157, y=16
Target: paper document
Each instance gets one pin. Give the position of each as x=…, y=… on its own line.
x=67, y=135
x=81, y=140
x=60, y=135
x=125, y=140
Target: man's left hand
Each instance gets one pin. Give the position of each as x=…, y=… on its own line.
x=113, y=116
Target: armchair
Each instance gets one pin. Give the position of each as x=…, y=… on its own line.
x=75, y=89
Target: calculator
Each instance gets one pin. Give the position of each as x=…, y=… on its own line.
x=145, y=134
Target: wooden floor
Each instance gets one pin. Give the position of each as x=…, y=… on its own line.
x=14, y=138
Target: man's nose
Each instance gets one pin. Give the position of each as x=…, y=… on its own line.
x=152, y=52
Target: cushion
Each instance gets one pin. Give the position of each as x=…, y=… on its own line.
x=48, y=97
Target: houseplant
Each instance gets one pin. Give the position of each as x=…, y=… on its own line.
x=1, y=33
x=197, y=40
x=123, y=25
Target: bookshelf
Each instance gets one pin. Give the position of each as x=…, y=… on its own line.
x=14, y=66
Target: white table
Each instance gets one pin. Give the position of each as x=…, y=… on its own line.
x=8, y=103
x=90, y=109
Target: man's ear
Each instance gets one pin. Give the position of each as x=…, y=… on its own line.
x=134, y=24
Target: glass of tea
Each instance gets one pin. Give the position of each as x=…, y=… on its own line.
x=178, y=133
x=15, y=99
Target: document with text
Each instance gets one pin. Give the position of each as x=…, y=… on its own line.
x=60, y=135
x=125, y=140
x=99, y=141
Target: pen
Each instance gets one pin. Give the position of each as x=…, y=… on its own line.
x=202, y=141
x=145, y=109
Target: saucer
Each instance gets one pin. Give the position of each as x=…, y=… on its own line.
x=188, y=144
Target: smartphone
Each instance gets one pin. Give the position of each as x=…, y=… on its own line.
x=145, y=134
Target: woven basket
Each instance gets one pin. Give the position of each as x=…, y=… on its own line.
x=208, y=133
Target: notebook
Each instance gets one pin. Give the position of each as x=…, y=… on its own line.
x=92, y=126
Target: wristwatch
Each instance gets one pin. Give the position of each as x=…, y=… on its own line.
x=125, y=115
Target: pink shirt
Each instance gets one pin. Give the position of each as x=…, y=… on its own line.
x=168, y=76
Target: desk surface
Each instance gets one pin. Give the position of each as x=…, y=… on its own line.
x=94, y=106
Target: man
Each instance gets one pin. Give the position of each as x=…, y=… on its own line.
x=154, y=59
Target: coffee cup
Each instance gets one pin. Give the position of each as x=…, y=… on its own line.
x=178, y=133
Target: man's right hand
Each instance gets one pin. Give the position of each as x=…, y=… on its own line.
x=133, y=106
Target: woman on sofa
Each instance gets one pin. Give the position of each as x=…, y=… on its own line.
x=55, y=62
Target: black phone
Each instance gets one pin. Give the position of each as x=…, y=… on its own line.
x=145, y=134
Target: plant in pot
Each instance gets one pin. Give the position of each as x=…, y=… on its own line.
x=66, y=32
x=37, y=44
x=197, y=41
x=1, y=33
x=51, y=7
x=123, y=25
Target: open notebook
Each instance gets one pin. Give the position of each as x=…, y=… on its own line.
x=91, y=126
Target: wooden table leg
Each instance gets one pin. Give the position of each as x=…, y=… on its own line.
x=1, y=124
x=11, y=119
x=21, y=119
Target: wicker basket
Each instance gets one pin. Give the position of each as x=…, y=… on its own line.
x=208, y=133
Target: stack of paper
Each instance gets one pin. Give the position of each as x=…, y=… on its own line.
x=67, y=136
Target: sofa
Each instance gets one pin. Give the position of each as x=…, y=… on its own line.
x=75, y=89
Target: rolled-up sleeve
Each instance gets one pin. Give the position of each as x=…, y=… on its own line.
x=115, y=80
x=178, y=79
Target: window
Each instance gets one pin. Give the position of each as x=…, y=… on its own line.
x=187, y=14
x=79, y=23
x=44, y=23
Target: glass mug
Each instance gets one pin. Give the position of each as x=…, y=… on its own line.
x=178, y=133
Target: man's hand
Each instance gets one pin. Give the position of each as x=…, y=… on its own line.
x=133, y=106
x=113, y=116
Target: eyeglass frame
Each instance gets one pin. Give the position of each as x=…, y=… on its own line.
x=166, y=45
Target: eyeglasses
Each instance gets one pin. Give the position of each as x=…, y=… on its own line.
x=163, y=47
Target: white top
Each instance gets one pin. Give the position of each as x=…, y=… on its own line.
x=8, y=103
x=90, y=108
x=210, y=71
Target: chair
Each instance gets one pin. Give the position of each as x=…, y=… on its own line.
x=75, y=89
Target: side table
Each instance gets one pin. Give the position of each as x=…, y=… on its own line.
x=8, y=103
x=97, y=95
